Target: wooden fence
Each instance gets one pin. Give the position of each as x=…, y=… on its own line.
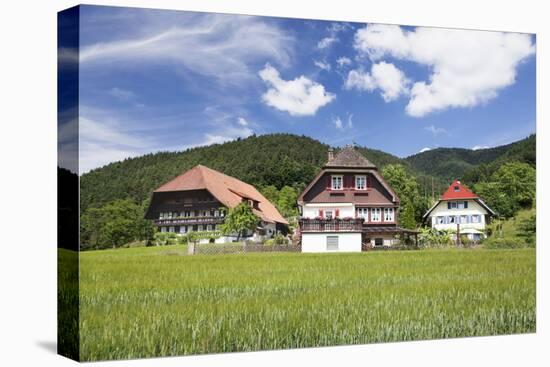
x=219, y=249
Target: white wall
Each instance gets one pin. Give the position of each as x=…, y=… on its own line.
x=442, y=210
x=317, y=242
x=312, y=210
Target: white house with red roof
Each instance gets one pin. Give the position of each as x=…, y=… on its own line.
x=460, y=209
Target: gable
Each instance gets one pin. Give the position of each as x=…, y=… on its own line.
x=320, y=191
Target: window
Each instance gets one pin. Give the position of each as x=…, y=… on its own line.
x=454, y=204
x=463, y=219
x=199, y=228
x=329, y=214
x=216, y=213
x=161, y=215
x=378, y=242
x=171, y=229
x=332, y=243
x=360, y=182
x=190, y=229
x=163, y=229
x=376, y=214
x=191, y=213
x=183, y=229
x=209, y=227
x=363, y=213
x=388, y=214
x=457, y=188
x=337, y=182
x=476, y=218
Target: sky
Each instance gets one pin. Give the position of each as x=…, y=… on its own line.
x=157, y=80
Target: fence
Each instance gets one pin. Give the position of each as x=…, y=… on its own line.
x=239, y=248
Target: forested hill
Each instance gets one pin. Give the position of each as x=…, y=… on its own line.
x=279, y=160
x=472, y=165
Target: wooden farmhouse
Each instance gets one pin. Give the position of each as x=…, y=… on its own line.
x=461, y=210
x=348, y=207
x=198, y=200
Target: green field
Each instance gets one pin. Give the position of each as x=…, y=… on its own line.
x=145, y=302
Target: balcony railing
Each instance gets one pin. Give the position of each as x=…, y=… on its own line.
x=189, y=220
x=331, y=225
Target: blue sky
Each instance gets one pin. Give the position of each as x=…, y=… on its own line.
x=153, y=80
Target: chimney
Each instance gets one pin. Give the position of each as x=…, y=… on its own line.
x=330, y=154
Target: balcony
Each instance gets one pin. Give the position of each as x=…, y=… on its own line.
x=189, y=220
x=331, y=225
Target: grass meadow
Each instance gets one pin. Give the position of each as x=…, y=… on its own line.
x=146, y=302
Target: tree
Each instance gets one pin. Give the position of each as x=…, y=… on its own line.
x=114, y=224
x=286, y=202
x=511, y=187
x=239, y=220
x=408, y=190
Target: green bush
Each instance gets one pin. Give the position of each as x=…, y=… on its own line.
x=464, y=240
x=279, y=239
x=182, y=239
x=269, y=242
x=165, y=238
x=503, y=242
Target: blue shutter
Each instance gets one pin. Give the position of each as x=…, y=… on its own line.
x=448, y=205
x=465, y=205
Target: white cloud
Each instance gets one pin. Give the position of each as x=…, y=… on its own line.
x=478, y=147
x=337, y=121
x=391, y=81
x=298, y=97
x=122, y=94
x=350, y=120
x=343, y=61
x=242, y=121
x=467, y=67
x=425, y=149
x=340, y=124
x=219, y=46
x=323, y=65
x=436, y=130
x=104, y=139
x=326, y=42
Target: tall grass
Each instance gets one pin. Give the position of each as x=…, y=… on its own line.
x=144, y=302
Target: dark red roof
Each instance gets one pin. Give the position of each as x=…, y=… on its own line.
x=458, y=191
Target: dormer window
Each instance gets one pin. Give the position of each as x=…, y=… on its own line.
x=456, y=188
x=337, y=182
x=360, y=182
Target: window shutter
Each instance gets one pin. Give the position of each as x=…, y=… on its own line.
x=321, y=214
x=329, y=183
x=353, y=182
x=337, y=213
x=465, y=205
x=448, y=205
x=369, y=183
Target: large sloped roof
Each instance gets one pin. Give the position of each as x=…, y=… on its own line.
x=348, y=157
x=226, y=189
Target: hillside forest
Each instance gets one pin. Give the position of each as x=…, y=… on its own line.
x=113, y=198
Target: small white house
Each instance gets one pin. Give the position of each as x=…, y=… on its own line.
x=460, y=209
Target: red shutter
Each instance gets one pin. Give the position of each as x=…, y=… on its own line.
x=352, y=184
x=337, y=213
x=369, y=182
x=345, y=182
x=321, y=214
x=328, y=182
